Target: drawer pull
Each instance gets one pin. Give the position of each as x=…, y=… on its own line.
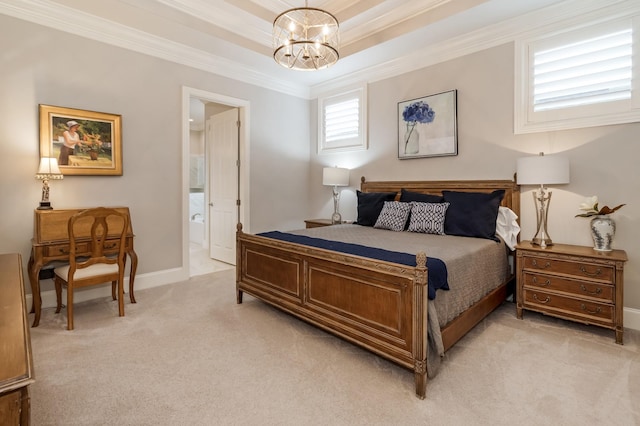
x=63, y=250
x=544, y=284
x=546, y=299
x=584, y=308
x=591, y=274
x=534, y=262
x=583, y=288
x=110, y=246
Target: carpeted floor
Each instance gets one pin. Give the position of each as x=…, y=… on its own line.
x=186, y=354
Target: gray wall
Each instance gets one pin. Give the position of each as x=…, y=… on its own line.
x=603, y=159
x=40, y=65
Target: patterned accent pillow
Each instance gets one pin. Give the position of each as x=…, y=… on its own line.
x=428, y=217
x=393, y=216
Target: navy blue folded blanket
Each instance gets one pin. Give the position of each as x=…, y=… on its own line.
x=437, y=276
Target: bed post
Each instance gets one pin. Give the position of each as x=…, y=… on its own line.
x=238, y=263
x=420, y=325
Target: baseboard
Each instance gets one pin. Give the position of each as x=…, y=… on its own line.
x=632, y=318
x=143, y=281
x=170, y=276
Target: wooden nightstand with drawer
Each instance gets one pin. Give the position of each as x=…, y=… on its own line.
x=316, y=223
x=571, y=282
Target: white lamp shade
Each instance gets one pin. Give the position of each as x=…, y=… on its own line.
x=48, y=169
x=543, y=170
x=335, y=176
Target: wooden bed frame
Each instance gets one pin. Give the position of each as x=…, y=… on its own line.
x=377, y=305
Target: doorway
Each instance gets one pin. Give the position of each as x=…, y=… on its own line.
x=203, y=222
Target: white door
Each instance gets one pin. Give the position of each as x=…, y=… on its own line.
x=222, y=138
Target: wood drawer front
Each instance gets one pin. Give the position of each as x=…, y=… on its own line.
x=579, y=288
x=111, y=246
x=11, y=408
x=63, y=249
x=581, y=310
x=578, y=269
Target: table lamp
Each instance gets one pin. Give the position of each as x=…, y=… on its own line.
x=542, y=170
x=335, y=176
x=48, y=170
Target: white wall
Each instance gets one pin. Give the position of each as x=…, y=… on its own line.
x=603, y=159
x=39, y=65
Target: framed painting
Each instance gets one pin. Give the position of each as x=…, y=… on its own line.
x=83, y=142
x=427, y=127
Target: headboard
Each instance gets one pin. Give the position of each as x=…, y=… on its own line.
x=511, y=189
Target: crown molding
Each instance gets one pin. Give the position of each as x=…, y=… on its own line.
x=484, y=38
x=57, y=16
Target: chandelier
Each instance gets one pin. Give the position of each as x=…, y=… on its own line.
x=306, y=39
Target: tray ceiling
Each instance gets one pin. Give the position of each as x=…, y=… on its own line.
x=233, y=37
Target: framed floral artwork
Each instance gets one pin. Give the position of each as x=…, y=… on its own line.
x=83, y=142
x=427, y=126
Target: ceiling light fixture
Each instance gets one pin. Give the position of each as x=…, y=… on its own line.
x=306, y=39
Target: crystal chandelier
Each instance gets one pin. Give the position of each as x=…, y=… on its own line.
x=306, y=39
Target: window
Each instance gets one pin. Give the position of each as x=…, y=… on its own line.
x=587, y=72
x=578, y=78
x=341, y=121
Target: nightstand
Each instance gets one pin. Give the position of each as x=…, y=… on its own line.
x=316, y=223
x=571, y=282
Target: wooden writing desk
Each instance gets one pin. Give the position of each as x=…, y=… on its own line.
x=16, y=361
x=51, y=243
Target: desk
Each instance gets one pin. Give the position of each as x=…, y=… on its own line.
x=16, y=365
x=51, y=243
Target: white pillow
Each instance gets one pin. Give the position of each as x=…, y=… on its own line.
x=507, y=226
x=393, y=216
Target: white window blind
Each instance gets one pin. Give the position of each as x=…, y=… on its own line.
x=342, y=121
x=579, y=76
x=591, y=71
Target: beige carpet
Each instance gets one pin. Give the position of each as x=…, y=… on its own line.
x=186, y=354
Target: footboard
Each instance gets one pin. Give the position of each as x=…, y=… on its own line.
x=377, y=305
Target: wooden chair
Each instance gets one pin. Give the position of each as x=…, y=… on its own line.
x=88, y=230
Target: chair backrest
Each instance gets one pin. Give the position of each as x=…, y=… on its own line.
x=106, y=241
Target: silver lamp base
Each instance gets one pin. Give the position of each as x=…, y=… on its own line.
x=336, y=218
x=542, y=199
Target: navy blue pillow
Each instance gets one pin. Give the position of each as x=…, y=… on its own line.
x=472, y=214
x=409, y=196
x=370, y=205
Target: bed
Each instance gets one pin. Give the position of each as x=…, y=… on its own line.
x=382, y=305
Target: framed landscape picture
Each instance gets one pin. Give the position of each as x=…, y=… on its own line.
x=427, y=126
x=83, y=142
